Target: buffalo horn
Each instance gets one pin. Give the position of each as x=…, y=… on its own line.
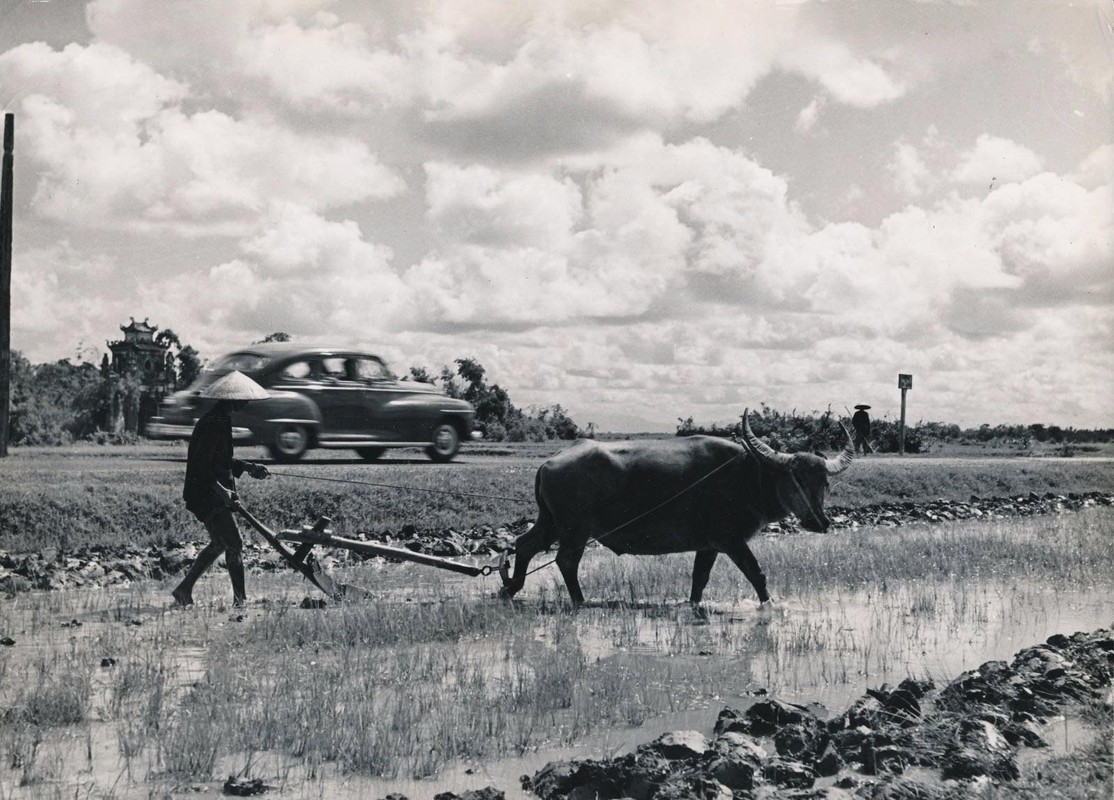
x=761, y=450
x=843, y=460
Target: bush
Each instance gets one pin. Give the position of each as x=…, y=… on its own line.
x=499, y=418
x=806, y=433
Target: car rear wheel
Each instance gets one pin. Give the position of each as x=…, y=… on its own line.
x=289, y=443
x=370, y=453
x=445, y=444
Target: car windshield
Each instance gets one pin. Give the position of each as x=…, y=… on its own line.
x=247, y=363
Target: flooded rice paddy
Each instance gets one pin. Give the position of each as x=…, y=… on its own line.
x=434, y=685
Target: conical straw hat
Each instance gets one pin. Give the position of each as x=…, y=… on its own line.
x=235, y=386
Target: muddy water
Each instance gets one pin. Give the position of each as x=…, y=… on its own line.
x=825, y=647
x=815, y=650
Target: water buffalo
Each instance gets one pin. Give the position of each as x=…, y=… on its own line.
x=697, y=493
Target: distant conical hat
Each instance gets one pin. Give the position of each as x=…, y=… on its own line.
x=862, y=406
x=235, y=386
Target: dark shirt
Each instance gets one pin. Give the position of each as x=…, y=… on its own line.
x=860, y=421
x=209, y=462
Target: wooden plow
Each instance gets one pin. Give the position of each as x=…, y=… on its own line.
x=302, y=559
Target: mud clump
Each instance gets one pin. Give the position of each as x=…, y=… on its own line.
x=965, y=732
x=101, y=565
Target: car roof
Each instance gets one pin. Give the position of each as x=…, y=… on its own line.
x=280, y=350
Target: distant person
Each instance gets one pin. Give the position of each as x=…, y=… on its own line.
x=860, y=421
x=210, y=490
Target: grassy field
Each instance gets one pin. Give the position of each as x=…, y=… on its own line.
x=432, y=672
x=85, y=495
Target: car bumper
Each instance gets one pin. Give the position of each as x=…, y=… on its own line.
x=171, y=430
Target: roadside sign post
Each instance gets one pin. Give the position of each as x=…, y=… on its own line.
x=905, y=383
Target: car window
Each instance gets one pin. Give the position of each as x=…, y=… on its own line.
x=244, y=362
x=371, y=369
x=298, y=371
x=333, y=368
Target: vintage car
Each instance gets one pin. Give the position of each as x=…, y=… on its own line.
x=330, y=397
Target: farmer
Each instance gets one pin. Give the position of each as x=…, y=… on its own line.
x=210, y=490
x=860, y=421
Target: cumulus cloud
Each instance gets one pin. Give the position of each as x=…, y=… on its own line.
x=481, y=206
x=848, y=77
x=911, y=175
x=656, y=224
x=1097, y=169
x=580, y=178
x=994, y=160
x=326, y=65
x=149, y=163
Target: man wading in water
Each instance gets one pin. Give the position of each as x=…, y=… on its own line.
x=210, y=490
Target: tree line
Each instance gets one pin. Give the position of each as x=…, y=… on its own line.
x=71, y=400
x=805, y=432
x=74, y=400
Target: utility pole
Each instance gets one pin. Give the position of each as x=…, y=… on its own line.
x=6, y=282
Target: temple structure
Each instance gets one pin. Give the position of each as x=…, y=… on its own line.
x=143, y=370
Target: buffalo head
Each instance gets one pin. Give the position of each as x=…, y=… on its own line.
x=800, y=479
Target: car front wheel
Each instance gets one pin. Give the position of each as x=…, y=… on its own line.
x=445, y=444
x=289, y=443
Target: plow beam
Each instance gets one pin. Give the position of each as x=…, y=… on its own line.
x=318, y=534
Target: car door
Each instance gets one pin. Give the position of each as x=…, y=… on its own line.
x=341, y=398
x=307, y=377
x=386, y=417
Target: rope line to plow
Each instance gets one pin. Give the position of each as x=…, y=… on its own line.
x=403, y=488
x=599, y=538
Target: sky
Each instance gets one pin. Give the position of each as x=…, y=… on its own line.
x=642, y=211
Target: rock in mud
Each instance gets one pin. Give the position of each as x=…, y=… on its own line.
x=734, y=772
x=765, y=717
x=693, y=787
x=636, y=775
x=740, y=745
x=829, y=762
x=679, y=744
x=911, y=789
x=981, y=750
x=487, y=793
x=788, y=773
x=244, y=787
x=802, y=741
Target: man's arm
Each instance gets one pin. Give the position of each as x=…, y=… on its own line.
x=250, y=467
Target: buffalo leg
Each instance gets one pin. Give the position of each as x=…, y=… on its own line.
x=744, y=559
x=568, y=561
x=701, y=571
x=538, y=538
